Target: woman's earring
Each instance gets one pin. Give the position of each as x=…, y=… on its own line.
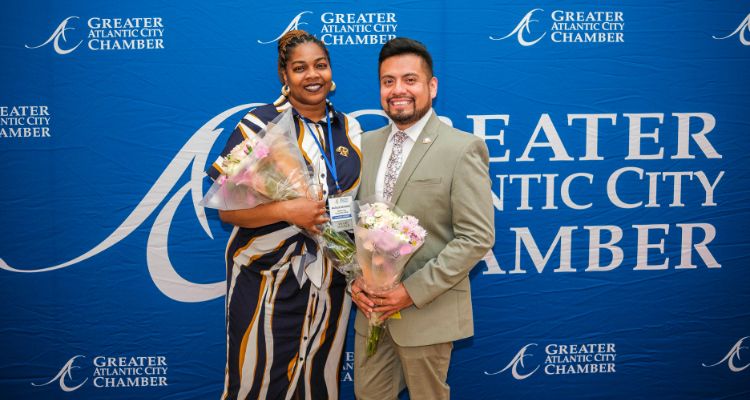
x=285, y=90
x=333, y=86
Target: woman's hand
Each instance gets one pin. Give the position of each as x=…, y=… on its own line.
x=305, y=213
x=301, y=212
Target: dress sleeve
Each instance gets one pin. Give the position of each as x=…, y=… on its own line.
x=249, y=125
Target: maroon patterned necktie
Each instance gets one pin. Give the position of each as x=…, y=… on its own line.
x=393, y=167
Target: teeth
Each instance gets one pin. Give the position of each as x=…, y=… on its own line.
x=313, y=87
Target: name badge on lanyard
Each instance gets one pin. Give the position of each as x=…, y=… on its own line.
x=339, y=207
x=341, y=212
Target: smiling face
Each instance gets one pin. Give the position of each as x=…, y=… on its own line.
x=308, y=75
x=406, y=89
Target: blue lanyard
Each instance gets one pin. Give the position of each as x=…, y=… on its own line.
x=332, y=162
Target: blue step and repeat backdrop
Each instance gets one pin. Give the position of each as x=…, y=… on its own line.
x=618, y=132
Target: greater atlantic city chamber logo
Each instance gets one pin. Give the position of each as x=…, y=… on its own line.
x=104, y=34
x=25, y=122
x=344, y=29
x=742, y=30
x=733, y=359
x=567, y=26
x=561, y=359
x=110, y=372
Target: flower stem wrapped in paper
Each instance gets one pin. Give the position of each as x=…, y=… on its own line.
x=340, y=250
x=265, y=167
x=385, y=242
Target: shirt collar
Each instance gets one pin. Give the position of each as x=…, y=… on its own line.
x=413, y=131
x=283, y=103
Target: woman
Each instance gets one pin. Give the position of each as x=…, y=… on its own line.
x=287, y=308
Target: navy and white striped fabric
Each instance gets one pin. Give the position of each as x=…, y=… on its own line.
x=286, y=329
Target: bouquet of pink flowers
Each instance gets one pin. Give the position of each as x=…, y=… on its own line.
x=269, y=166
x=385, y=242
x=265, y=167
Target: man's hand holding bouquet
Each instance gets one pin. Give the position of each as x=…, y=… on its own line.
x=385, y=242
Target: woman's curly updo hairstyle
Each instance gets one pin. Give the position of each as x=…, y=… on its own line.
x=292, y=39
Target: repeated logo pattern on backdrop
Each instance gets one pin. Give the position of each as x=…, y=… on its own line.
x=139, y=33
x=617, y=138
x=570, y=27
x=25, y=122
x=345, y=29
x=564, y=359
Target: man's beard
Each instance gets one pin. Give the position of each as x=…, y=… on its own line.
x=407, y=116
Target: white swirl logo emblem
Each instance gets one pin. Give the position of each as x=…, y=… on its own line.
x=55, y=38
x=515, y=362
x=523, y=26
x=742, y=29
x=294, y=24
x=193, y=156
x=732, y=356
x=65, y=373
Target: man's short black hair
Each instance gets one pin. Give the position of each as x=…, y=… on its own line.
x=401, y=45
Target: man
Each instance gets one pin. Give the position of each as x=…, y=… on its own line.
x=439, y=175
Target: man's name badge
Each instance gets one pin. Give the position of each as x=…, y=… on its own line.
x=340, y=209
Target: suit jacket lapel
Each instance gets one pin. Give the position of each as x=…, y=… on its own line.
x=425, y=140
x=372, y=152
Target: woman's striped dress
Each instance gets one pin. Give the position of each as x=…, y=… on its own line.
x=285, y=335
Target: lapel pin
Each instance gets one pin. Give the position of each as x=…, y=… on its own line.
x=426, y=140
x=343, y=151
